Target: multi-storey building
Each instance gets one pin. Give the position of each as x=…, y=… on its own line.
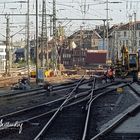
x=89, y=39
x=124, y=34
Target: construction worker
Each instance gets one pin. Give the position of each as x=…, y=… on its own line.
x=110, y=74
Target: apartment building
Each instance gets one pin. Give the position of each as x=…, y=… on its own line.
x=124, y=34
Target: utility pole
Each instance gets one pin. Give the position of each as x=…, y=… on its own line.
x=54, y=18
x=104, y=36
x=28, y=41
x=36, y=41
x=107, y=57
x=107, y=27
x=54, y=50
x=51, y=24
x=44, y=34
x=81, y=36
x=7, y=65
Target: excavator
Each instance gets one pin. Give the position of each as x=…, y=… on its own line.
x=127, y=65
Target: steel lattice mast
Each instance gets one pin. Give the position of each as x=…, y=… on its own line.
x=44, y=34
x=7, y=66
x=54, y=49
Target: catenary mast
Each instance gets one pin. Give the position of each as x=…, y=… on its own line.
x=44, y=35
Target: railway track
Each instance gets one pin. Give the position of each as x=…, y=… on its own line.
x=56, y=88
x=32, y=112
x=110, y=129
x=70, y=117
x=68, y=121
x=32, y=116
x=18, y=101
x=21, y=100
x=56, y=102
x=70, y=128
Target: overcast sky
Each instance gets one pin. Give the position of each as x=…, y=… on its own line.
x=95, y=9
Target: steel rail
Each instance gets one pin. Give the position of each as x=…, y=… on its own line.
x=125, y=115
x=53, y=110
x=40, y=135
x=85, y=81
x=68, y=105
x=30, y=108
x=58, y=110
x=133, y=89
x=58, y=87
x=62, y=98
x=86, y=122
x=89, y=108
x=85, y=93
x=18, y=93
x=25, y=92
x=88, y=96
x=32, y=90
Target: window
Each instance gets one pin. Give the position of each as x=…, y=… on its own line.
x=139, y=42
x=123, y=42
x=138, y=26
x=2, y=57
x=64, y=55
x=1, y=50
x=139, y=34
x=119, y=34
x=126, y=42
x=124, y=33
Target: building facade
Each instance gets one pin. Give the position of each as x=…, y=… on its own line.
x=2, y=57
x=124, y=34
x=87, y=39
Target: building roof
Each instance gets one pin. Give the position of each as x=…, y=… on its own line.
x=86, y=34
x=130, y=25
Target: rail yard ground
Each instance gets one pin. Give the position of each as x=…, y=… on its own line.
x=6, y=82
x=77, y=109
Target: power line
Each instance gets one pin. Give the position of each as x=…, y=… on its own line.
x=99, y=19
x=16, y=14
x=13, y=2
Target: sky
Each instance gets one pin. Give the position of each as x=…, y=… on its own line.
x=118, y=10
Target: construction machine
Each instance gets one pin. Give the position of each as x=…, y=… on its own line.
x=127, y=65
